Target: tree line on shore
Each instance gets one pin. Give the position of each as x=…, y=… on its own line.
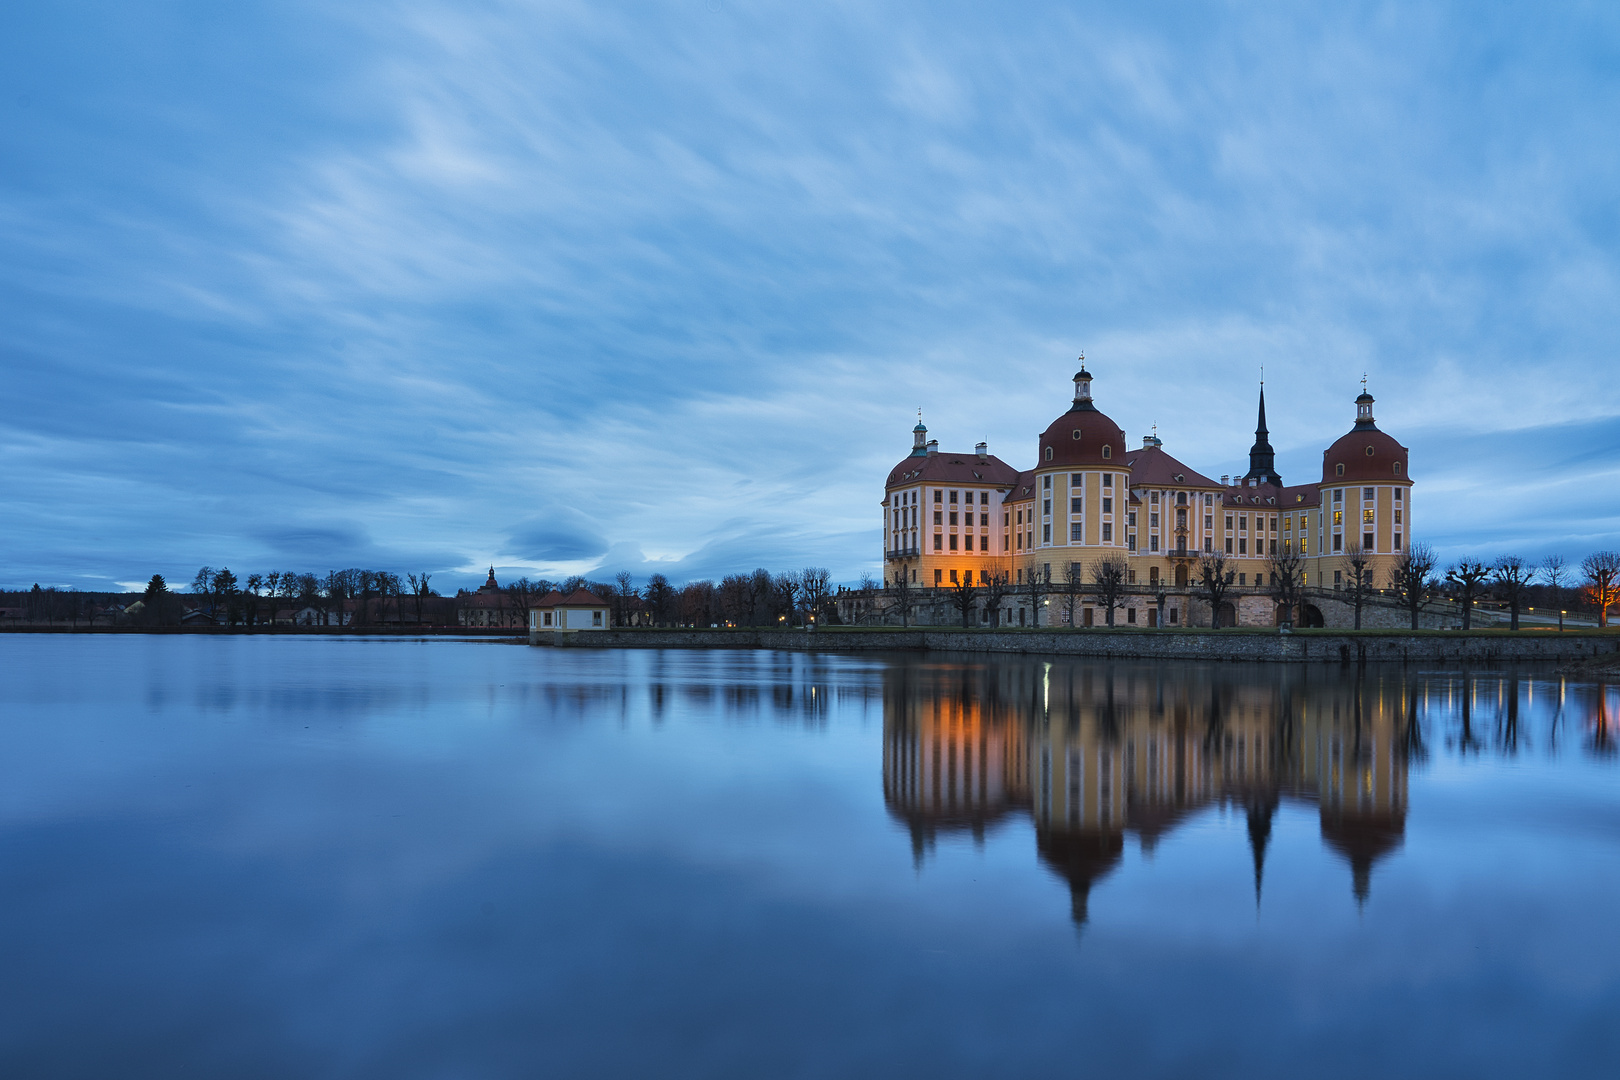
x=1415, y=579
x=358, y=597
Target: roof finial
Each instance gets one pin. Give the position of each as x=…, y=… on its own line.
x=1262, y=376
x=1363, y=382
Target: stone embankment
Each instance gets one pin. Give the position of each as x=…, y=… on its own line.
x=1308, y=646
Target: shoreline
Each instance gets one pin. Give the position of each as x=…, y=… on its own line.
x=1232, y=644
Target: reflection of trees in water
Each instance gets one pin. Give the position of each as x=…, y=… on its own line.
x=1094, y=751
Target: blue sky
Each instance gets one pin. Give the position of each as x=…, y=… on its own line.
x=576, y=287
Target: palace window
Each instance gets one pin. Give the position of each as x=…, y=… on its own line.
x=1243, y=579
x=1046, y=534
x=1046, y=483
x=1181, y=496
x=1367, y=516
x=984, y=498
x=1228, y=522
x=1108, y=452
x=1338, y=517
x=1075, y=535
x=1020, y=517
x=1243, y=523
x=1209, y=500
x=953, y=541
x=1366, y=494
x=1396, y=466
x=953, y=517
x=1153, y=498
x=1243, y=546
x=1228, y=544
x=1398, y=494
x=1338, y=495
x=1076, y=479
x=1005, y=519
x=1153, y=543
x=1153, y=521
x=1208, y=544
x=1338, y=470
x=1108, y=506
x=939, y=496
x=953, y=577
x=1397, y=517
x=1338, y=542
x=984, y=521
x=939, y=517
x=1108, y=479
x=1046, y=507
x=1397, y=544
x=953, y=498
x=1132, y=517
x=938, y=575
x=1108, y=533
x=1048, y=453
x=1367, y=541
x=1074, y=505
x=1130, y=544
x=1209, y=521
x=939, y=541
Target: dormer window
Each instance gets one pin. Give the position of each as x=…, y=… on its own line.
x=1369, y=451
x=1076, y=435
x=1397, y=467
x=1338, y=470
x=1108, y=451
x=1048, y=453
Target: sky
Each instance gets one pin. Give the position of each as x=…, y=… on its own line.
x=578, y=288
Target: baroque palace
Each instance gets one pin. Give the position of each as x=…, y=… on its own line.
x=951, y=518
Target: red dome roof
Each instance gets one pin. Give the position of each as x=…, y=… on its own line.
x=1367, y=455
x=1078, y=437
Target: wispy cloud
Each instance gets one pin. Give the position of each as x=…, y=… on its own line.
x=566, y=287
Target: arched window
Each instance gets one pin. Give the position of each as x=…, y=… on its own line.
x=1338, y=470
x=1397, y=468
x=1108, y=451
x=1048, y=453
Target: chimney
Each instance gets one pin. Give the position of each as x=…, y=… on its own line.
x=1226, y=479
x=933, y=446
x=983, y=450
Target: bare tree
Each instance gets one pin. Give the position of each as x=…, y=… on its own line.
x=1556, y=571
x=1512, y=577
x=659, y=598
x=1074, y=583
x=996, y=585
x=1287, y=570
x=1467, y=578
x=419, y=591
x=624, y=595
x=788, y=589
x=1410, y=580
x=1602, y=568
x=904, y=596
x=1214, y=578
x=817, y=585
x=1035, y=585
x=1108, y=576
x=1357, y=563
x=963, y=594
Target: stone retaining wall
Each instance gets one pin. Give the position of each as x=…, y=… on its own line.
x=1305, y=647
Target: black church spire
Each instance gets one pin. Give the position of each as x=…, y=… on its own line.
x=1262, y=458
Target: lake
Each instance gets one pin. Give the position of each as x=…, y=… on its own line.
x=313, y=857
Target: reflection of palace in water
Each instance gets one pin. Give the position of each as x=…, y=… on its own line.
x=1094, y=752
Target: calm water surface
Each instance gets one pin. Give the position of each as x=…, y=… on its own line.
x=293, y=857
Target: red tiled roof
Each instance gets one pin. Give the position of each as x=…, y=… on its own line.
x=1152, y=467
x=940, y=468
x=1278, y=498
x=1366, y=454
x=1078, y=438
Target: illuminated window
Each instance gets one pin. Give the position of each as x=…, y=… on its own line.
x=1367, y=516
x=1338, y=517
